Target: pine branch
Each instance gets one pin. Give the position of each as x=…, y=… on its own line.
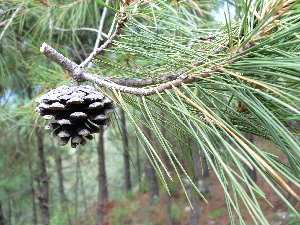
x=80, y=74
x=135, y=82
x=105, y=45
x=61, y=60
x=100, y=29
x=149, y=91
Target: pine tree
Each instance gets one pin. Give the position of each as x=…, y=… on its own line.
x=212, y=81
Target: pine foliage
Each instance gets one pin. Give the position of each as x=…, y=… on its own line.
x=254, y=87
x=255, y=91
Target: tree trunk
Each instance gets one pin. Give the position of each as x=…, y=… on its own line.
x=151, y=174
x=2, y=220
x=168, y=204
x=203, y=179
x=34, y=214
x=194, y=213
x=82, y=185
x=125, y=153
x=77, y=184
x=195, y=198
x=102, y=182
x=138, y=162
x=43, y=182
x=168, y=196
x=59, y=170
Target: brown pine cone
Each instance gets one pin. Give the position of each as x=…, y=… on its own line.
x=78, y=112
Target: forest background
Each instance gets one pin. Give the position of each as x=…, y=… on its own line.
x=217, y=145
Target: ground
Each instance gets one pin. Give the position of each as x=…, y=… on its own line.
x=137, y=211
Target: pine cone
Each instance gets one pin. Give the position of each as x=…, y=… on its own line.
x=78, y=111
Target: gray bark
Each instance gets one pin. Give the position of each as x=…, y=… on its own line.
x=151, y=174
x=125, y=152
x=203, y=180
x=83, y=189
x=194, y=213
x=138, y=162
x=59, y=170
x=63, y=197
x=85, y=76
x=34, y=214
x=43, y=182
x=201, y=173
x=168, y=196
x=102, y=182
x=195, y=198
x=77, y=185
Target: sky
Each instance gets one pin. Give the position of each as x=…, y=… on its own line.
x=225, y=9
